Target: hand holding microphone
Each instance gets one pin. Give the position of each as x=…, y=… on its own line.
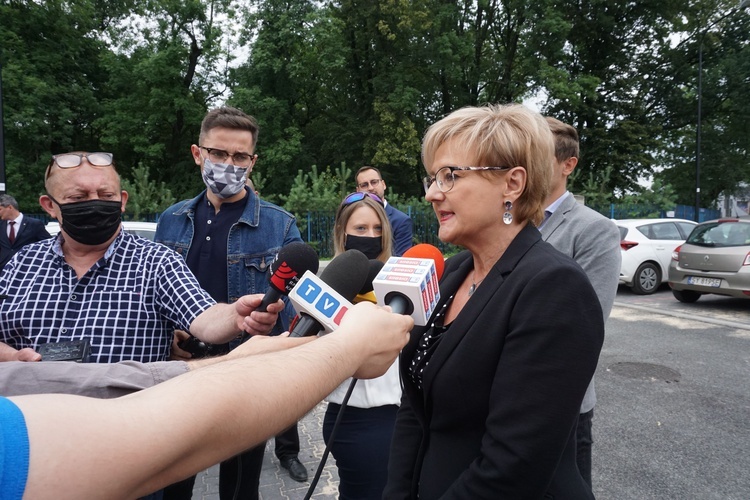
x=380, y=339
x=259, y=315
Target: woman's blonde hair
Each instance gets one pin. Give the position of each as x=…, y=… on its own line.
x=501, y=135
x=343, y=214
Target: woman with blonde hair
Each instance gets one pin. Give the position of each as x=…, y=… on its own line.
x=362, y=440
x=379, y=246
x=494, y=381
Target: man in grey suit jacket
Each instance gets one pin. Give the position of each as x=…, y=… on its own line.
x=590, y=239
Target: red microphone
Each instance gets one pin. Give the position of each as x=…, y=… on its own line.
x=292, y=261
x=427, y=251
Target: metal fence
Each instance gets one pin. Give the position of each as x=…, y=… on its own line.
x=640, y=211
x=317, y=226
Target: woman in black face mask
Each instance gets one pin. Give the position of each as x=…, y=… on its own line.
x=361, y=224
x=362, y=441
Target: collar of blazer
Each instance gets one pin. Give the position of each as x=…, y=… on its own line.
x=455, y=273
x=558, y=217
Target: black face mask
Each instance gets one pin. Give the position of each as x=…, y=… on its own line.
x=90, y=222
x=368, y=245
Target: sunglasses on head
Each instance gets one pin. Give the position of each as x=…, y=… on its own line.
x=359, y=196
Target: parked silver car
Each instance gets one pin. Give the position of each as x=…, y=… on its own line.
x=714, y=259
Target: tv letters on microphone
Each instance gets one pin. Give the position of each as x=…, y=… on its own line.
x=316, y=298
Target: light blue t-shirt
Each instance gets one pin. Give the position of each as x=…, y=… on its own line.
x=14, y=451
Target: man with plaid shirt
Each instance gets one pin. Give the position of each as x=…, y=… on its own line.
x=123, y=293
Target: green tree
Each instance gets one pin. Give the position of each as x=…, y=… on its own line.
x=167, y=65
x=145, y=196
x=721, y=28
x=53, y=82
x=602, y=60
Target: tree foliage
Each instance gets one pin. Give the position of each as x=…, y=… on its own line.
x=145, y=196
x=358, y=82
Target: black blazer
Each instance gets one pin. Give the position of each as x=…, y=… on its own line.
x=502, y=392
x=31, y=231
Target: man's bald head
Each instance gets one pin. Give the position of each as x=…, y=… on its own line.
x=57, y=177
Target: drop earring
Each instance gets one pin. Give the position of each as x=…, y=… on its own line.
x=507, y=216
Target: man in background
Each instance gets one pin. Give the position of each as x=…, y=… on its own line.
x=16, y=230
x=590, y=239
x=369, y=180
x=229, y=237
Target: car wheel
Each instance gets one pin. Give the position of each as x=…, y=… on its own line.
x=647, y=279
x=687, y=296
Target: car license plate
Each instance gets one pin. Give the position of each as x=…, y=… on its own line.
x=698, y=280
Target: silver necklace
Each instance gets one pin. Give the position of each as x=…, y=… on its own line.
x=473, y=287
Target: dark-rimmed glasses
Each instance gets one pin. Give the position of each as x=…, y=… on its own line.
x=445, y=177
x=73, y=160
x=373, y=183
x=359, y=196
x=221, y=156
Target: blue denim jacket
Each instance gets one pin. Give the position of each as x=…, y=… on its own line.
x=253, y=242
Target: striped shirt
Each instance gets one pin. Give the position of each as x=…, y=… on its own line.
x=127, y=304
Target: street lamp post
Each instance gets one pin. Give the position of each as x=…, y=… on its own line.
x=743, y=4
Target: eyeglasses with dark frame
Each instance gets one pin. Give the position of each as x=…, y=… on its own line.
x=359, y=196
x=364, y=185
x=73, y=160
x=445, y=177
x=221, y=156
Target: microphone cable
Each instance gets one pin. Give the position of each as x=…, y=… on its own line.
x=239, y=478
x=331, y=440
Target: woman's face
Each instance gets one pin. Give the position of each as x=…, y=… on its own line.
x=473, y=208
x=364, y=221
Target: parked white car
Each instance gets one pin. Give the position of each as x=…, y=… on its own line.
x=144, y=229
x=646, y=246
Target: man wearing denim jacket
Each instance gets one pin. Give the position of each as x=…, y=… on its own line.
x=229, y=236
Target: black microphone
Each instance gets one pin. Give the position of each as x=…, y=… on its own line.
x=367, y=293
x=290, y=264
x=346, y=276
x=375, y=267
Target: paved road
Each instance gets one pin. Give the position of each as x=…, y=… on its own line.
x=714, y=309
x=674, y=400
x=673, y=418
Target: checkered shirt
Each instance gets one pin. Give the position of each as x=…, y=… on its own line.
x=127, y=304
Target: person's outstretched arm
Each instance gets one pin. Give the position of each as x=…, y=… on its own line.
x=112, y=380
x=134, y=445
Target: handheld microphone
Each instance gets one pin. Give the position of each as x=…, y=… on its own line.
x=409, y=284
x=322, y=301
x=427, y=251
x=290, y=264
x=366, y=294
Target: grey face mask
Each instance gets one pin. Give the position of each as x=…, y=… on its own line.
x=223, y=179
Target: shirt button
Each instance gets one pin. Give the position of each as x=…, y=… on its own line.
x=64, y=330
x=209, y=222
x=73, y=297
x=208, y=238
